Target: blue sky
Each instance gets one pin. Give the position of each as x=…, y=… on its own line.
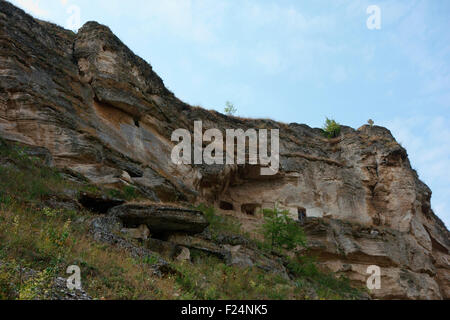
x=298, y=61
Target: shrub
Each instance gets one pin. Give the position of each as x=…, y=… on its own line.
x=219, y=224
x=281, y=231
x=304, y=266
x=331, y=128
x=230, y=109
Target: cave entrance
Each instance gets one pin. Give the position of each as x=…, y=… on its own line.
x=224, y=205
x=98, y=204
x=301, y=214
x=250, y=208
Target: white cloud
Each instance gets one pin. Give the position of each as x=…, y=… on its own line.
x=31, y=6
x=290, y=41
x=186, y=19
x=426, y=47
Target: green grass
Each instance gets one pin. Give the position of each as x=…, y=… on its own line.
x=48, y=240
x=208, y=278
x=326, y=284
x=25, y=177
x=127, y=193
x=303, y=267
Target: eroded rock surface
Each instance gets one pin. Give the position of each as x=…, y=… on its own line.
x=161, y=219
x=102, y=112
x=98, y=204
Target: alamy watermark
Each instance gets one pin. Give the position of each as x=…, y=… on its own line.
x=374, y=281
x=214, y=152
x=73, y=22
x=74, y=281
x=374, y=20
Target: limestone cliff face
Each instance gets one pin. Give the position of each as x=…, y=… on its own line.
x=102, y=112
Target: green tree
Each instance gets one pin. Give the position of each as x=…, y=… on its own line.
x=230, y=109
x=281, y=231
x=331, y=128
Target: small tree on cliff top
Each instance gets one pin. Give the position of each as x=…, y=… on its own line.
x=331, y=128
x=230, y=109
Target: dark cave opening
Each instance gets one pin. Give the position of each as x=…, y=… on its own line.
x=301, y=214
x=224, y=205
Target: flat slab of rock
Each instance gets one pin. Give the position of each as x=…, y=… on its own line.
x=161, y=219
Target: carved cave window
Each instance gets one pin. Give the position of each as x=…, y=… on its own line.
x=226, y=206
x=301, y=214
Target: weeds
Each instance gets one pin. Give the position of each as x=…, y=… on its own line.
x=326, y=284
x=46, y=240
x=209, y=278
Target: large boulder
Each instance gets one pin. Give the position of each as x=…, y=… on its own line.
x=107, y=229
x=161, y=219
x=349, y=249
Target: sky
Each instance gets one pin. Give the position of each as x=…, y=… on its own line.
x=298, y=61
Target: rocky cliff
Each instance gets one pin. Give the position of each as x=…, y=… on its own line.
x=102, y=111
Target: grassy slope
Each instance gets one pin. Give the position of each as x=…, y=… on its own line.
x=48, y=240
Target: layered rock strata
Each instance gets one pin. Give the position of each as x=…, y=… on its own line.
x=102, y=111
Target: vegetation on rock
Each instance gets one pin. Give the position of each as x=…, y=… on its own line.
x=331, y=128
x=40, y=238
x=281, y=231
x=230, y=109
